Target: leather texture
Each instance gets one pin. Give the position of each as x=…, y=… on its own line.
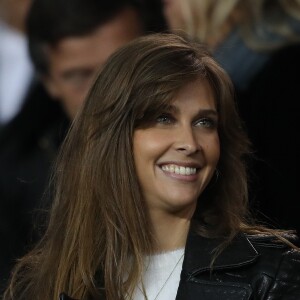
x=256, y=267
x=251, y=267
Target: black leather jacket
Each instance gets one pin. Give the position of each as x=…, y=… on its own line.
x=250, y=268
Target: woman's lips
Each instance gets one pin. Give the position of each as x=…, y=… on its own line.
x=181, y=171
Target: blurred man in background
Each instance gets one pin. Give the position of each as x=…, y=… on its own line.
x=69, y=41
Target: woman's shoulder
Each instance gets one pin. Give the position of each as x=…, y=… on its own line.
x=258, y=266
x=262, y=251
x=284, y=245
x=279, y=260
x=277, y=240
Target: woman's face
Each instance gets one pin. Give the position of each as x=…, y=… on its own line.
x=176, y=155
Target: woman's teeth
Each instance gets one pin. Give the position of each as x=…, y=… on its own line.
x=179, y=169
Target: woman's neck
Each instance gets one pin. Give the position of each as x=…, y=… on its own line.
x=170, y=230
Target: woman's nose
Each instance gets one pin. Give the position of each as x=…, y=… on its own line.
x=187, y=141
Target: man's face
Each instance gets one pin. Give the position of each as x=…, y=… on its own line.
x=74, y=61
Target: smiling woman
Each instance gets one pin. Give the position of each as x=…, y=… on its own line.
x=151, y=191
x=176, y=155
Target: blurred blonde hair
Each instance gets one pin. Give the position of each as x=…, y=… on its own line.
x=203, y=19
x=209, y=21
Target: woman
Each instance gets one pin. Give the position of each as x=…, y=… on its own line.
x=151, y=183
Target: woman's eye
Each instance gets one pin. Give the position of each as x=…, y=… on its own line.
x=164, y=119
x=206, y=122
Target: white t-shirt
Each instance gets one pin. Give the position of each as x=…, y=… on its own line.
x=16, y=72
x=161, y=277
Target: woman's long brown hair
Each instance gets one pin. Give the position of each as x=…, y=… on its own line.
x=99, y=229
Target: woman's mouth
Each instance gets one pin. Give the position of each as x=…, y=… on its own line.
x=180, y=170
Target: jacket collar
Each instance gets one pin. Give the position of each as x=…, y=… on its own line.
x=199, y=252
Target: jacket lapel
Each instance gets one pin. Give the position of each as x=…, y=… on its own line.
x=199, y=252
x=198, y=255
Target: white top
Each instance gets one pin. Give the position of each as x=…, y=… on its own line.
x=162, y=275
x=16, y=71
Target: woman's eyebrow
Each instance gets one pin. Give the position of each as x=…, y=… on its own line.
x=205, y=111
x=171, y=108
x=209, y=111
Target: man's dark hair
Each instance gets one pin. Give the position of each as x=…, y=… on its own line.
x=50, y=21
